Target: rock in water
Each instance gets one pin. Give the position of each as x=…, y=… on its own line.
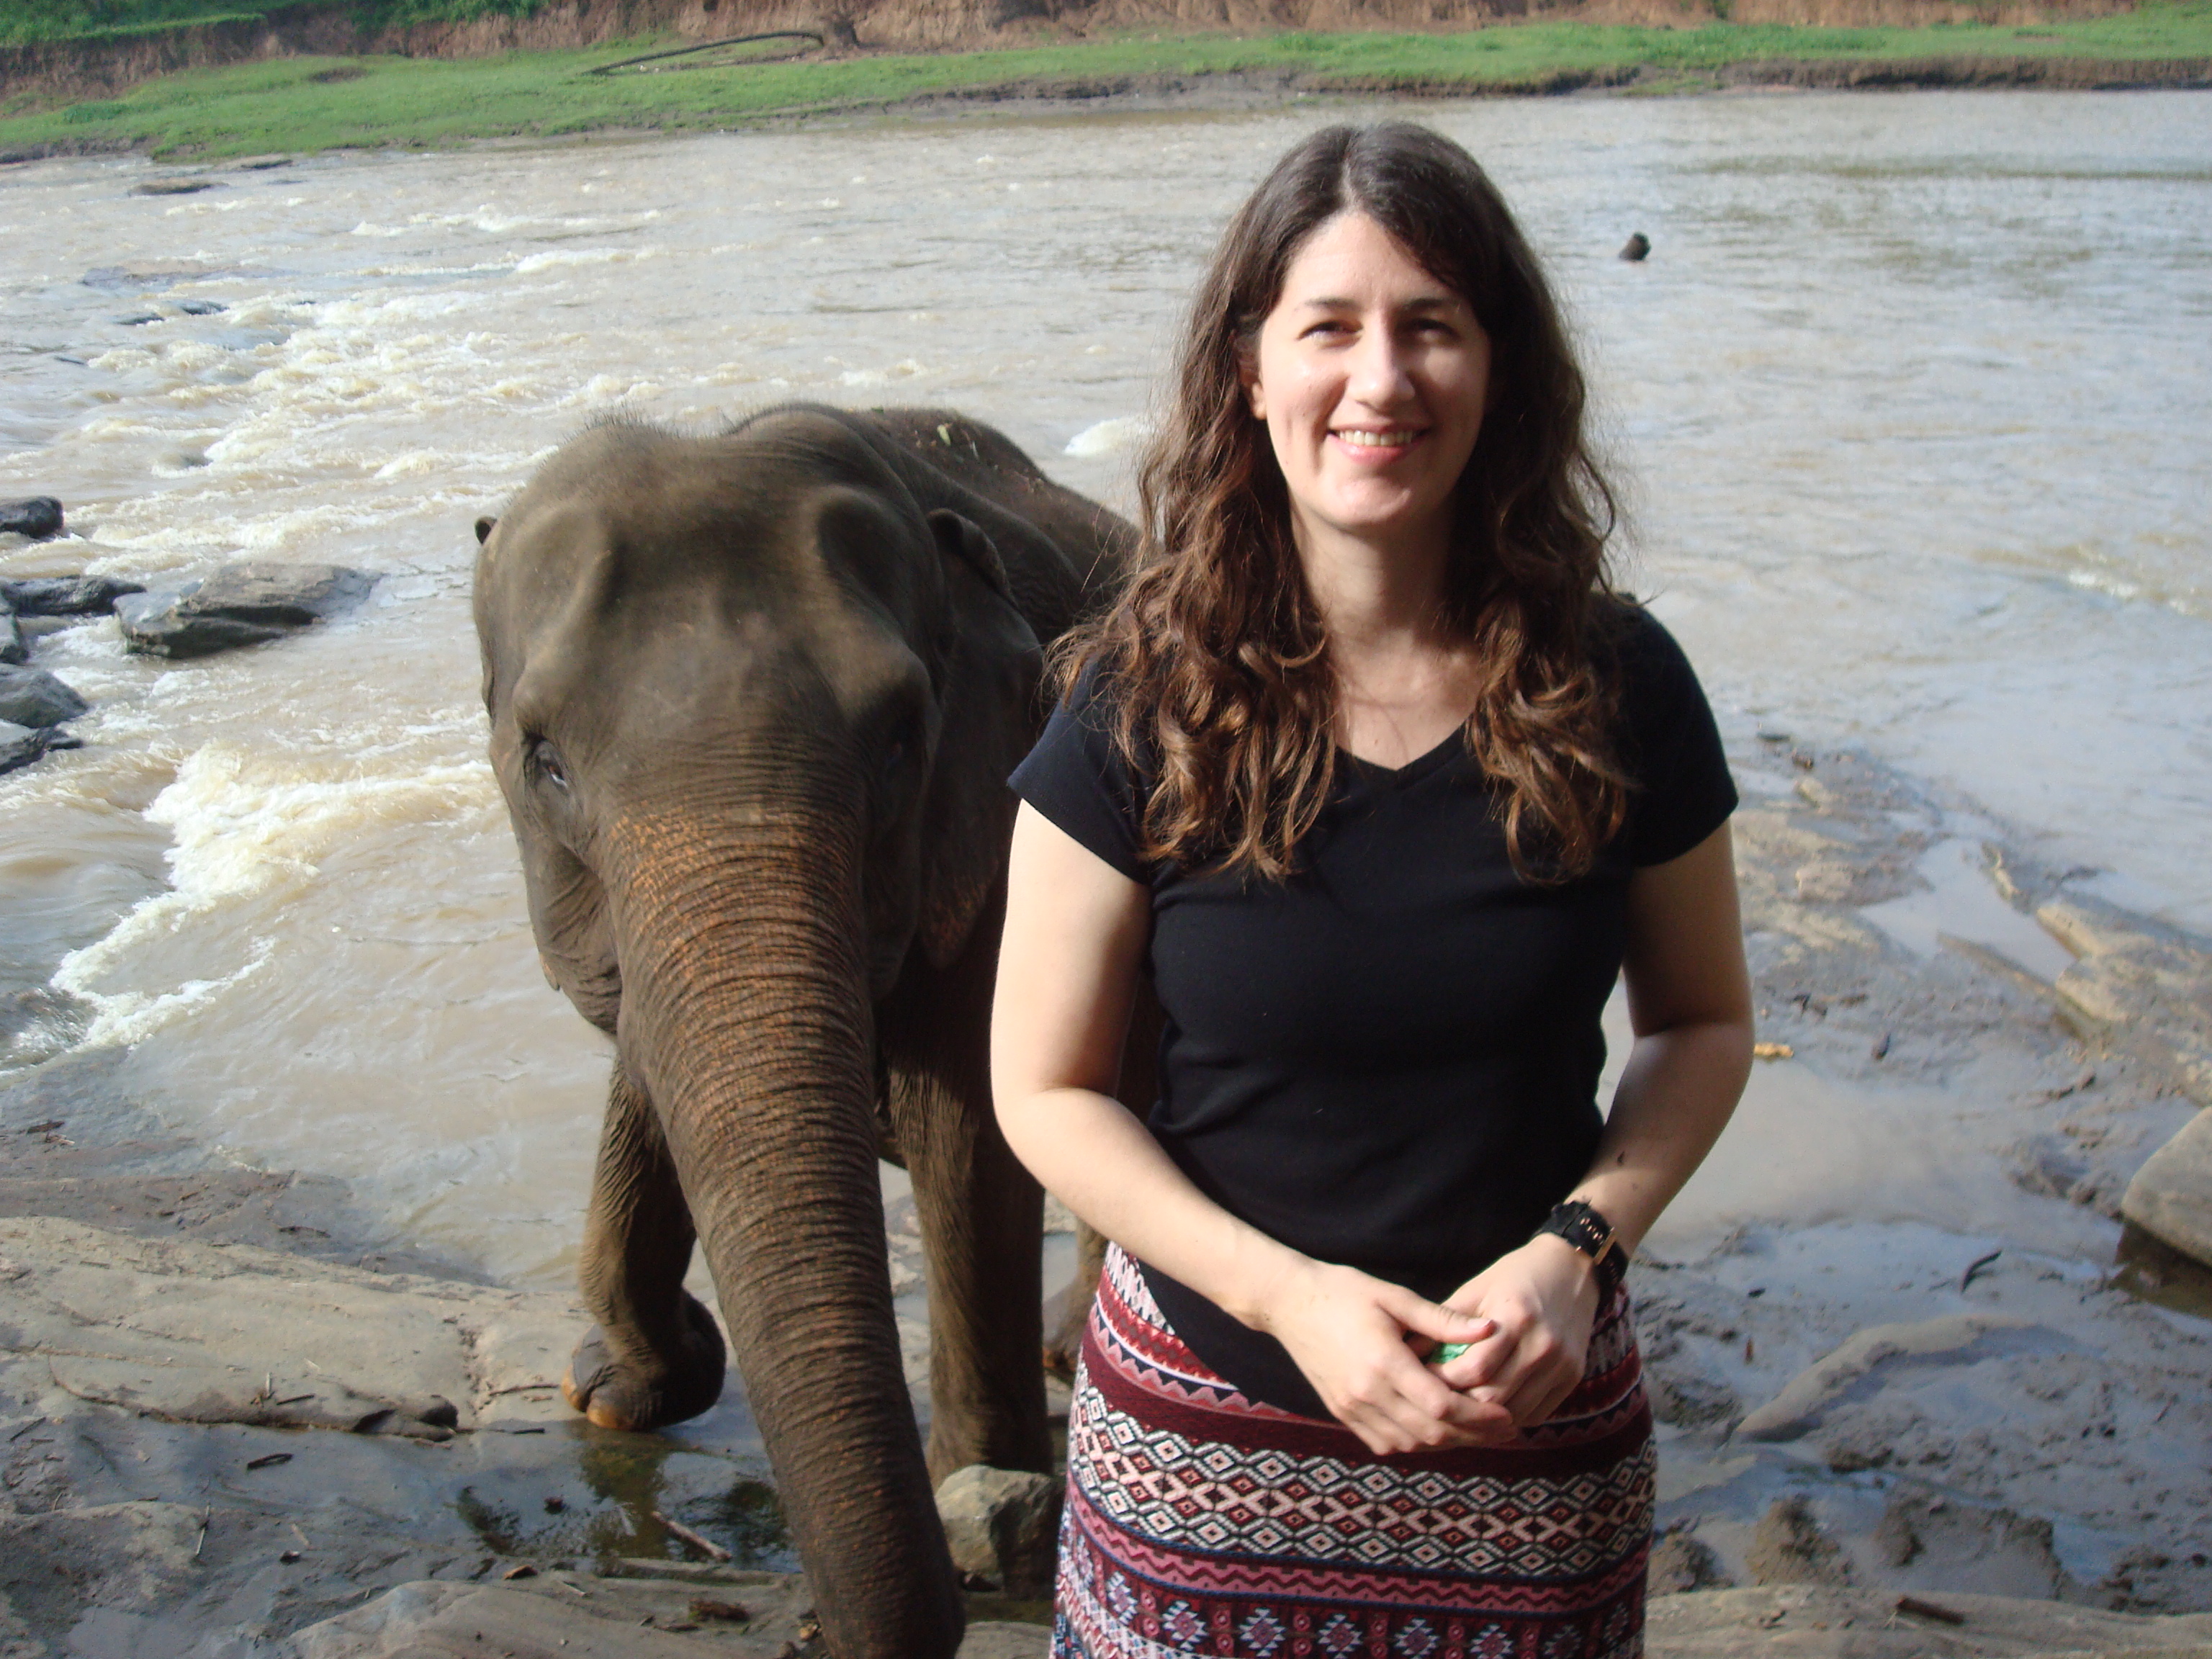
x=1637, y=248
x=33, y=697
x=37, y=517
x=2170, y=1195
x=1003, y=1524
x=66, y=596
x=239, y=605
x=12, y=648
x=19, y=745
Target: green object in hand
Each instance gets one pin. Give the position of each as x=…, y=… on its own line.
x=1449, y=1352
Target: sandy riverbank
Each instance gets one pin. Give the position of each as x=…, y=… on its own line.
x=1893, y=1343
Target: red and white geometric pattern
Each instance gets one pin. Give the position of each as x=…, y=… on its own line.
x=1200, y=1521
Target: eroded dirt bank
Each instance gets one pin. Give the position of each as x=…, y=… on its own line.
x=103, y=67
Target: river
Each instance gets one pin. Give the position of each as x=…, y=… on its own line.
x=1910, y=402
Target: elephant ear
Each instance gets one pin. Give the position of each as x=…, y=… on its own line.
x=987, y=697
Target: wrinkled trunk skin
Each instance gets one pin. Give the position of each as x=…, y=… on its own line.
x=745, y=1015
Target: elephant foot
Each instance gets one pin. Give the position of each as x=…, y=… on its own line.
x=616, y=1392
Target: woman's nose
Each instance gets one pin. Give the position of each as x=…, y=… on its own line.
x=1380, y=374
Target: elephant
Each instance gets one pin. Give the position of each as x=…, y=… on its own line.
x=753, y=700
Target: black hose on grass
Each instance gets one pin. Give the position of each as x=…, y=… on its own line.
x=711, y=46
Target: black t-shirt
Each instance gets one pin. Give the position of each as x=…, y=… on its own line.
x=1390, y=1060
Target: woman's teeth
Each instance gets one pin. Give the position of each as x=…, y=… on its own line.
x=1378, y=439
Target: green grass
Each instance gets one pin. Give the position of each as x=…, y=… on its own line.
x=280, y=105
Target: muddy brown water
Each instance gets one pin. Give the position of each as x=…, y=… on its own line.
x=1910, y=399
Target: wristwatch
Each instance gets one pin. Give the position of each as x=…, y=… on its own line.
x=1582, y=1226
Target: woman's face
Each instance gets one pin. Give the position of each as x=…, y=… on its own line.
x=1371, y=376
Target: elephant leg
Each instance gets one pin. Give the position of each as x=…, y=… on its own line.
x=983, y=1219
x=655, y=1357
x=1070, y=1311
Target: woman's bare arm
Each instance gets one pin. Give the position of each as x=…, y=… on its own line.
x=1689, y=1002
x=1075, y=936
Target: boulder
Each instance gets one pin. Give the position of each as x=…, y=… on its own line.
x=19, y=745
x=1002, y=1525
x=239, y=605
x=37, y=517
x=2171, y=1196
x=32, y=697
x=13, y=649
x=66, y=596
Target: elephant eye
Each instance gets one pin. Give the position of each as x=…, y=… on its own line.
x=549, y=764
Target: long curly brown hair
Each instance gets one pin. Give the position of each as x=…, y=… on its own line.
x=1215, y=661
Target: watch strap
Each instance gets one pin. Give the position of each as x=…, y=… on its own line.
x=1587, y=1230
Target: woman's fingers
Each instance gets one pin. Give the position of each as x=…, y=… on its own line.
x=1434, y=1319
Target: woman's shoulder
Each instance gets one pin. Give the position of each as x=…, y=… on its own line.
x=1639, y=645
x=1078, y=775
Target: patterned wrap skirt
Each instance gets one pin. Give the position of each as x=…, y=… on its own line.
x=1199, y=1522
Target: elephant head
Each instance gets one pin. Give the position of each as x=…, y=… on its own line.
x=752, y=704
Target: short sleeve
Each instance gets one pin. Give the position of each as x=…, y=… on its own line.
x=1682, y=790
x=1078, y=779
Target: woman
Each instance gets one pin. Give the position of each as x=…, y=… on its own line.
x=1379, y=782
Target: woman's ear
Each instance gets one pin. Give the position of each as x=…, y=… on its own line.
x=1248, y=376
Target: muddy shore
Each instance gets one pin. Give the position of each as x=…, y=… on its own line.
x=1900, y=1341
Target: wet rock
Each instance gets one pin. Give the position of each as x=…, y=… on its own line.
x=1688, y=1400
x=241, y=604
x=550, y=1616
x=1806, y=1622
x=426, y=1618
x=1807, y=1396
x=2171, y=1196
x=14, y=648
x=172, y=186
x=1788, y=1547
x=237, y=1328
x=66, y=596
x=2148, y=981
x=2049, y=1164
x=1003, y=1524
x=1929, y=1541
x=33, y=697
x=1637, y=248
x=19, y=745
x=1682, y=1562
x=119, y=1557
x=39, y=517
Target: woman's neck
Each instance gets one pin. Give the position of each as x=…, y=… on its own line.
x=1404, y=679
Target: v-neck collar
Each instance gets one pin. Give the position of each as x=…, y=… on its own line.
x=1398, y=777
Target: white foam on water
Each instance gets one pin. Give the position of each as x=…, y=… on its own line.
x=1112, y=437
x=247, y=826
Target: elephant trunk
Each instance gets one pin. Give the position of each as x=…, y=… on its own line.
x=745, y=1015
